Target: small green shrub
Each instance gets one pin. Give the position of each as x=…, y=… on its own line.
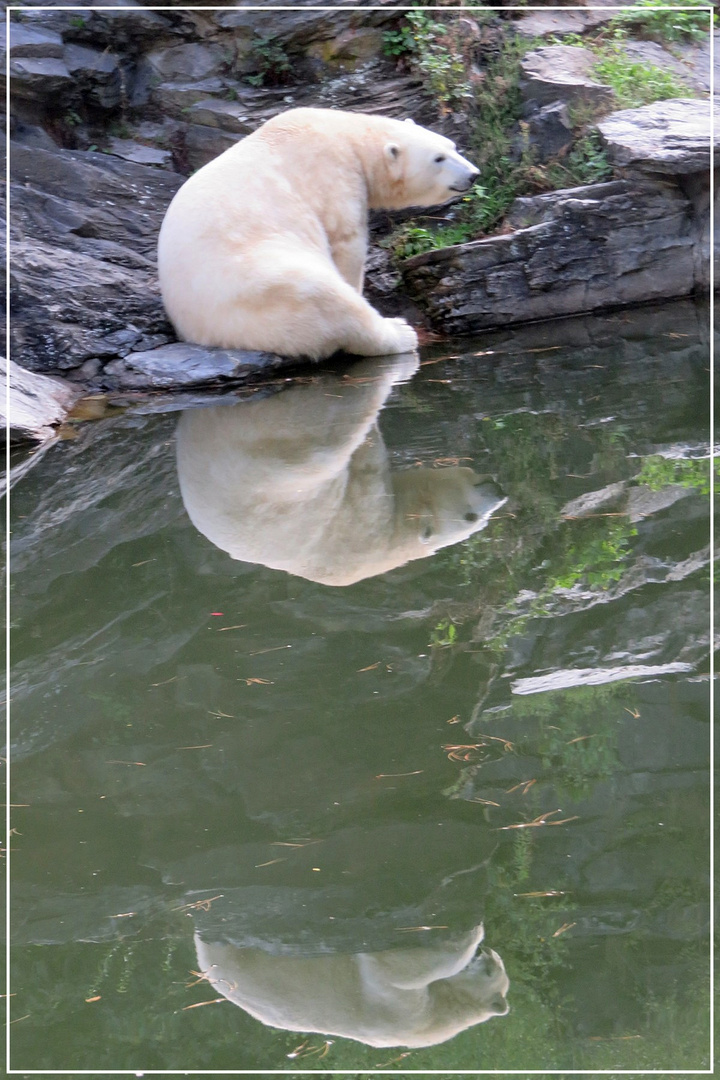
x=653, y=19
x=633, y=83
x=272, y=64
x=658, y=472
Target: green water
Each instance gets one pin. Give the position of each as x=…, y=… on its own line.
x=511, y=730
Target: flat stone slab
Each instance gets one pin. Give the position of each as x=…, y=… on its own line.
x=562, y=73
x=182, y=364
x=671, y=137
x=34, y=41
x=555, y=21
x=129, y=150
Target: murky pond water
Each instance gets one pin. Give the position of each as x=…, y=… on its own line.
x=307, y=688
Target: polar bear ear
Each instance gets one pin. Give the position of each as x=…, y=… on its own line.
x=408, y=120
x=393, y=155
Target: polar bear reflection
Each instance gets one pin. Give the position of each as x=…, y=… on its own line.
x=301, y=481
x=400, y=997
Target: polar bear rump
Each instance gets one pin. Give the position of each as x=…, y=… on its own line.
x=264, y=247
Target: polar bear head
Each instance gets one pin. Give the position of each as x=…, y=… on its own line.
x=422, y=169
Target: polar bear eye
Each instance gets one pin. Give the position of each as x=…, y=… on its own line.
x=439, y=158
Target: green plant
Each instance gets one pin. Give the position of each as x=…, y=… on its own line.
x=272, y=64
x=633, y=83
x=435, y=50
x=653, y=18
x=658, y=472
x=444, y=634
x=586, y=163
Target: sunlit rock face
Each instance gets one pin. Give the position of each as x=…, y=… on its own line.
x=301, y=482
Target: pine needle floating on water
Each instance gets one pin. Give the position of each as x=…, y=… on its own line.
x=538, y=821
x=255, y=682
x=393, y=775
x=545, y=892
x=200, y=905
x=212, y=1001
x=524, y=784
x=393, y=1061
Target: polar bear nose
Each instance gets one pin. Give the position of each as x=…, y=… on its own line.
x=467, y=181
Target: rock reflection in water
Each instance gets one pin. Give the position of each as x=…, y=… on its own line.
x=399, y=997
x=302, y=482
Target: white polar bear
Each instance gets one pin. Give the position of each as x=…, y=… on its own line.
x=301, y=481
x=264, y=247
x=400, y=997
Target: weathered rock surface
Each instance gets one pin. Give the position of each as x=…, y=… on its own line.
x=183, y=365
x=669, y=137
x=83, y=233
x=37, y=403
x=562, y=73
x=576, y=250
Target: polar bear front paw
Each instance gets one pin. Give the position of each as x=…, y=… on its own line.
x=400, y=336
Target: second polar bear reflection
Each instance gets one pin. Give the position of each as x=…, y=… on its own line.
x=301, y=481
x=399, y=997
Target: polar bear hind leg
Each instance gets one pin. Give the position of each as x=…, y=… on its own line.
x=295, y=305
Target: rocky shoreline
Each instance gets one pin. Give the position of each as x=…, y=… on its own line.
x=112, y=109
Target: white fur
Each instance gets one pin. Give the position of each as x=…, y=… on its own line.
x=401, y=997
x=301, y=481
x=264, y=247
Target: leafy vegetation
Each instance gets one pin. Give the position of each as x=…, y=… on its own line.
x=271, y=62
x=658, y=472
x=433, y=44
x=634, y=83
x=655, y=19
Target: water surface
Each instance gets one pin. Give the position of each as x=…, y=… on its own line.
x=311, y=686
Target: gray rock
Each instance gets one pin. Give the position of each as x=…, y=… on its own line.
x=139, y=152
x=40, y=78
x=37, y=404
x=182, y=364
x=201, y=144
x=549, y=130
x=228, y=115
x=580, y=250
x=562, y=73
x=671, y=137
x=34, y=41
x=84, y=232
x=190, y=62
x=556, y=22
x=97, y=75
x=174, y=98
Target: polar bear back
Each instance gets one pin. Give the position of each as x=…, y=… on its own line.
x=264, y=247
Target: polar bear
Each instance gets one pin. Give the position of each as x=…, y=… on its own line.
x=264, y=247
x=301, y=481
x=400, y=997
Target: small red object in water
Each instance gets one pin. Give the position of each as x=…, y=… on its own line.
x=217, y=612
